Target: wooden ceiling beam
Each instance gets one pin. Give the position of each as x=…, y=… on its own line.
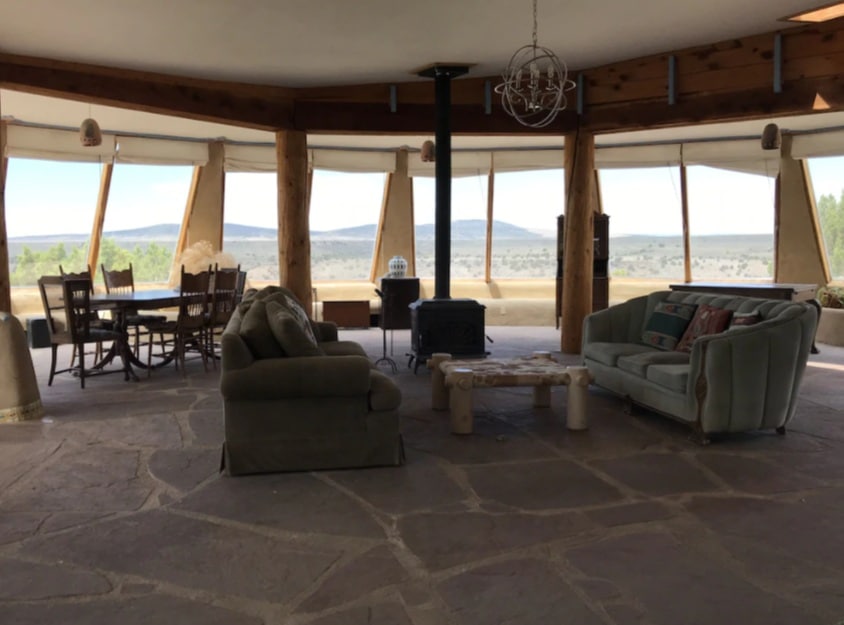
x=724, y=81
x=255, y=106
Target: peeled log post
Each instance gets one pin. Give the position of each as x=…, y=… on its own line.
x=579, y=246
x=5, y=280
x=294, y=237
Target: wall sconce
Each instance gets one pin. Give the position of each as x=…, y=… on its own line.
x=89, y=133
x=771, y=137
x=429, y=152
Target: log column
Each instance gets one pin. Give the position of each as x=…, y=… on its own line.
x=96, y=239
x=294, y=239
x=5, y=280
x=579, y=246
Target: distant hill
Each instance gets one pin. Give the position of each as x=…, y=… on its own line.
x=461, y=230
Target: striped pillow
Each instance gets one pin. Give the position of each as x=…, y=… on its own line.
x=667, y=323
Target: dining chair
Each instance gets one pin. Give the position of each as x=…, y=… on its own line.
x=123, y=281
x=241, y=284
x=67, y=306
x=96, y=321
x=224, y=300
x=189, y=330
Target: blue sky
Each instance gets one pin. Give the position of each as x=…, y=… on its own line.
x=44, y=197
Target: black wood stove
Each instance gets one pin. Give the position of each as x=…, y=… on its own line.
x=453, y=326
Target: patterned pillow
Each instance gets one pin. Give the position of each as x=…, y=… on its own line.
x=255, y=331
x=707, y=320
x=667, y=323
x=287, y=330
x=301, y=316
x=745, y=319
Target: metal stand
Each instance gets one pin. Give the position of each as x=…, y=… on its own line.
x=386, y=358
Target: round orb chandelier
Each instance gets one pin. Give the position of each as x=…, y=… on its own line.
x=535, y=82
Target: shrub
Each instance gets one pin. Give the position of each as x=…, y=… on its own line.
x=831, y=296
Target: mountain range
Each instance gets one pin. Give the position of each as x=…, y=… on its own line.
x=461, y=230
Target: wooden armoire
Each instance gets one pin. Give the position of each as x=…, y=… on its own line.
x=600, y=264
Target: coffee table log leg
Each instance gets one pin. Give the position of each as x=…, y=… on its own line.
x=577, y=417
x=439, y=393
x=542, y=396
x=460, y=400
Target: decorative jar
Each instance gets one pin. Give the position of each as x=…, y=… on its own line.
x=397, y=267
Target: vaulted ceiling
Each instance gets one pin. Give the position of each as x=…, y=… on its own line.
x=325, y=43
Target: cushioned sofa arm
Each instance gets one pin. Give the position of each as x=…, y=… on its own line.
x=325, y=331
x=315, y=376
x=748, y=377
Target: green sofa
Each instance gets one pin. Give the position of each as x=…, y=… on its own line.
x=290, y=412
x=741, y=379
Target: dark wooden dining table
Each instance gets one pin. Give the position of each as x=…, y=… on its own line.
x=123, y=304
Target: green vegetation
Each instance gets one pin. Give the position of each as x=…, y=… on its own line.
x=150, y=263
x=831, y=215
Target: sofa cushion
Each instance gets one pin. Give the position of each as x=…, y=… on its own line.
x=667, y=323
x=256, y=333
x=707, y=320
x=638, y=364
x=673, y=377
x=289, y=332
x=383, y=392
x=609, y=353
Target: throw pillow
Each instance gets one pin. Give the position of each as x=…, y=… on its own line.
x=256, y=333
x=745, y=319
x=667, y=323
x=287, y=330
x=707, y=320
x=301, y=316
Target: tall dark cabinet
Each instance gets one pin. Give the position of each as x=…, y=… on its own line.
x=600, y=264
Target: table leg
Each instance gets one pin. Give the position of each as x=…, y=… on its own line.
x=459, y=382
x=439, y=393
x=542, y=396
x=579, y=379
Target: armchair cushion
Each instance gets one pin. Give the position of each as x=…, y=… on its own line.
x=294, y=337
x=383, y=394
x=667, y=323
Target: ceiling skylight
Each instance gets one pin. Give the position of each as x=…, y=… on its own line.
x=819, y=14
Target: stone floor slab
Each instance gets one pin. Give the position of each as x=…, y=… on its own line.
x=191, y=553
x=679, y=584
x=484, y=596
x=421, y=484
x=757, y=475
x=377, y=614
x=134, y=611
x=657, y=474
x=371, y=571
x=445, y=540
x=543, y=485
x=20, y=580
x=184, y=469
x=296, y=502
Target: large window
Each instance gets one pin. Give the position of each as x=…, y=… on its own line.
x=345, y=208
x=250, y=229
x=468, y=225
x=145, y=209
x=731, y=224
x=646, y=223
x=50, y=207
x=524, y=232
x=829, y=195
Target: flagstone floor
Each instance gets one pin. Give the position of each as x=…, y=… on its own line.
x=112, y=511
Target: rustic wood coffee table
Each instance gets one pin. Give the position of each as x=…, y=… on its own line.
x=452, y=382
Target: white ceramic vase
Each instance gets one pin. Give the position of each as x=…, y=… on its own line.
x=397, y=267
